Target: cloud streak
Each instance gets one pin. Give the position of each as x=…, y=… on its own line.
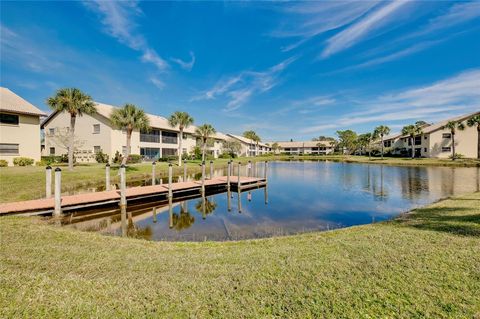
x=238, y=89
x=185, y=65
x=457, y=94
x=118, y=20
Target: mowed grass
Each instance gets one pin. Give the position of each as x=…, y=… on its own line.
x=25, y=183
x=425, y=264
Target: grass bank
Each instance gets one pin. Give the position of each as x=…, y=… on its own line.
x=24, y=183
x=423, y=265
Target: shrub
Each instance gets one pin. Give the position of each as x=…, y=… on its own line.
x=23, y=161
x=457, y=156
x=226, y=155
x=51, y=159
x=134, y=158
x=64, y=158
x=101, y=157
x=117, y=158
x=3, y=163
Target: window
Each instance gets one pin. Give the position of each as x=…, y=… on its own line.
x=446, y=149
x=425, y=149
x=169, y=152
x=52, y=150
x=169, y=137
x=51, y=131
x=150, y=153
x=185, y=136
x=387, y=143
x=6, y=118
x=418, y=140
x=152, y=136
x=6, y=148
x=447, y=135
x=124, y=150
x=425, y=137
x=97, y=149
x=96, y=128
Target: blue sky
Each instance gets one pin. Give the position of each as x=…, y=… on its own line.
x=284, y=69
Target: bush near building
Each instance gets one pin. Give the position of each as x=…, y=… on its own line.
x=3, y=163
x=23, y=161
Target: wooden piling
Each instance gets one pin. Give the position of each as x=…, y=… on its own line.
x=153, y=173
x=170, y=173
x=123, y=200
x=265, y=172
x=249, y=168
x=211, y=169
x=58, y=192
x=48, y=182
x=107, y=177
x=239, y=182
x=185, y=170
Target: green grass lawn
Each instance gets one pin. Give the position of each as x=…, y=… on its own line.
x=423, y=265
x=24, y=183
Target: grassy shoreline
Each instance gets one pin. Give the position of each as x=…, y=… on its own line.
x=24, y=183
x=422, y=264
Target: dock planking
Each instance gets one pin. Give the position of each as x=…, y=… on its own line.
x=46, y=205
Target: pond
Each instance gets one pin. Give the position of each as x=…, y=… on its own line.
x=302, y=197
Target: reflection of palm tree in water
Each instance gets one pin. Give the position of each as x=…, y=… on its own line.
x=135, y=232
x=205, y=206
x=183, y=220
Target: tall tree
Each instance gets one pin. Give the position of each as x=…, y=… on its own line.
x=365, y=141
x=453, y=126
x=347, y=140
x=475, y=121
x=412, y=131
x=232, y=147
x=204, y=132
x=76, y=103
x=254, y=137
x=129, y=118
x=275, y=147
x=381, y=131
x=183, y=120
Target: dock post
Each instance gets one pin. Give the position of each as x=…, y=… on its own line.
x=58, y=192
x=203, y=178
x=154, y=213
x=211, y=169
x=249, y=168
x=185, y=170
x=123, y=200
x=153, y=172
x=239, y=182
x=107, y=177
x=266, y=171
x=170, y=192
x=48, y=182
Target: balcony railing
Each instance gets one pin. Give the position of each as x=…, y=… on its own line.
x=169, y=140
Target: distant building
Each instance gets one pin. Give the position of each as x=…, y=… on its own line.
x=250, y=147
x=436, y=140
x=306, y=147
x=19, y=127
x=94, y=133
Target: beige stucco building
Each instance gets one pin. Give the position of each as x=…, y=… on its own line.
x=306, y=147
x=94, y=133
x=250, y=147
x=19, y=127
x=436, y=140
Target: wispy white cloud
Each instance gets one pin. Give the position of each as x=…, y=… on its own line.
x=185, y=65
x=238, y=89
x=457, y=94
x=118, y=19
x=363, y=28
x=157, y=82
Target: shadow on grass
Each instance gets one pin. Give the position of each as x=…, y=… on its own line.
x=454, y=220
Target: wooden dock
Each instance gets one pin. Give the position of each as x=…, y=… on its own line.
x=97, y=199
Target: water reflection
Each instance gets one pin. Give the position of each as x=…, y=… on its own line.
x=304, y=196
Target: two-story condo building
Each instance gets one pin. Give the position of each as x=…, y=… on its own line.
x=94, y=133
x=250, y=147
x=306, y=147
x=436, y=140
x=19, y=127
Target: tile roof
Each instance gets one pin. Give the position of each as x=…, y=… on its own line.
x=246, y=140
x=11, y=102
x=299, y=144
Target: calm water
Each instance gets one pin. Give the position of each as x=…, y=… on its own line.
x=302, y=197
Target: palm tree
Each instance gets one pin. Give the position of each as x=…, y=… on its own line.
x=129, y=118
x=76, y=103
x=412, y=131
x=365, y=140
x=183, y=120
x=275, y=147
x=453, y=126
x=254, y=137
x=204, y=132
x=475, y=121
x=381, y=131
